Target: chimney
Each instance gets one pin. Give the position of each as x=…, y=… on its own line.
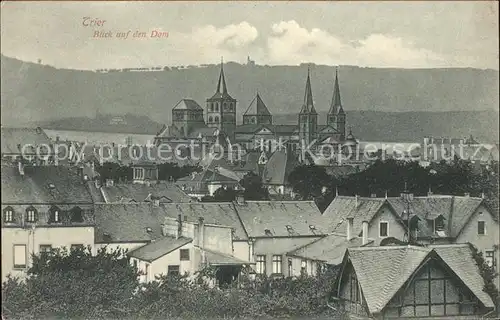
x=373, y=195
x=20, y=166
x=240, y=199
x=156, y=202
x=482, y=195
x=350, y=223
x=201, y=238
x=179, y=227
x=365, y=232
x=356, y=198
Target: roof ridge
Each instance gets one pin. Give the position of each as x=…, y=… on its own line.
x=395, y=266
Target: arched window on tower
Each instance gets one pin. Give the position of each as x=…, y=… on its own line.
x=211, y=106
x=210, y=119
x=216, y=119
x=217, y=106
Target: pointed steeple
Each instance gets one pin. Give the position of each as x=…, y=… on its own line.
x=308, y=106
x=336, y=104
x=222, y=79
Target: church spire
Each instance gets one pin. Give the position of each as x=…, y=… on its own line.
x=336, y=105
x=222, y=79
x=308, y=106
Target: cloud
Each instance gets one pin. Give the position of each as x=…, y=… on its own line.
x=292, y=44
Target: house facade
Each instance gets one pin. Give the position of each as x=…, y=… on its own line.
x=396, y=282
x=43, y=207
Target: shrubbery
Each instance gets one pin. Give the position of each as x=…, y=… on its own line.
x=75, y=284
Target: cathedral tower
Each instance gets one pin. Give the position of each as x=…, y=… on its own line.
x=221, y=108
x=336, y=114
x=308, y=117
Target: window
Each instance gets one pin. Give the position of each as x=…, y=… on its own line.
x=19, y=256
x=290, y=267
x=216, y=106
x=383, y=229
x=76, y=214
x=8, y=214
x=261, y=264
x=173, y=270
x=31, y=214
x=439, y=224
x=216, y=119
x=138, y=173
x=354, y=294
x=489, y=257
x=277, y=264
x=45, y=248
x=303, y=267
x=481, y=228
x=184, y=254
x=134, y=263
x=210, y=119
x=55, y=215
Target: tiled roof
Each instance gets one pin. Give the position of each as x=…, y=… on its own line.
x=330, y=249
x=187, y=104
x=219, y=213
x=218, y=258
x=158, y=248
x=44, y=184
x=282, y=245
x=343, y=207
x=276, y=215
x=382, y=271
x=128, y=222
x=278, y=167
x=141, y=192
x=455, y=210
x=257, y=107
x=12, y=138
x=459, y=259
x=279, y=129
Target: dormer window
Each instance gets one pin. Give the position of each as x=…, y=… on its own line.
x=439, y=224
x=268, y=233
x=31, y=214
x=76, y=214
x=55, y=214
x=8, y=214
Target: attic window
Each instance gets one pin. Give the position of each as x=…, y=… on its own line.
x=8, y=214
x=268, y=233
x=55, y=214
x=51, y=186
x=106, y=236
x=31, y=214
x=76, y=214
x=312, y=227
x=439, y=224
x=149, y=230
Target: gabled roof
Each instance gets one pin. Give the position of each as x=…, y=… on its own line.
x=330, y=249
x=278, y=167
x=257, y=107
x=158, y=248
x=343, y=207
x=257, y=216
x=456, y=211
x=187, y=104
x=13, y=138
x=382, y=271
x=44, y=184
x=140, y=192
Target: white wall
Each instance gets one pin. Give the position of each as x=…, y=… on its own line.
x=54, y=236
x=395, y=229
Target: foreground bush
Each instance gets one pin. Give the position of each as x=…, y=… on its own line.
x=77, y=285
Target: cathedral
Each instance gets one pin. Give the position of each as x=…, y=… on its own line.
x=217, y=122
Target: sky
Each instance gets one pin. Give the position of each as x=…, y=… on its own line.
x=369, y=34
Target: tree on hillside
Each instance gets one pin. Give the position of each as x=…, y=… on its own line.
x=72, y=284
x=223, y=194
x=254, y=189
x=114, y=171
